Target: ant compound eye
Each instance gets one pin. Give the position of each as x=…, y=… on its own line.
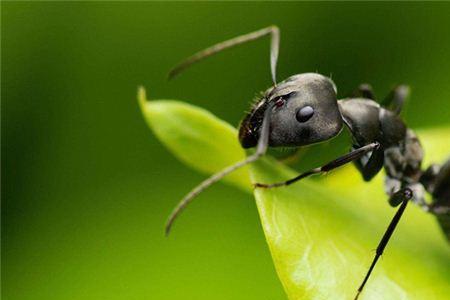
x=279, y=102
x=304, y=114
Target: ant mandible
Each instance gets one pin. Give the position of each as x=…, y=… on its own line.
x=304, y=110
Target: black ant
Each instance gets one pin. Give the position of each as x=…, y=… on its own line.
x=304, y=110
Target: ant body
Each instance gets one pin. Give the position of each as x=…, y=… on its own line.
x=304, y=109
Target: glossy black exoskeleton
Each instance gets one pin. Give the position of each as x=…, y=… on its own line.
x=304, y=110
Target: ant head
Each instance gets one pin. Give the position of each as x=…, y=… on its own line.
x=305, y=112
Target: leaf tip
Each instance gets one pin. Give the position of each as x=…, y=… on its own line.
x=141, y=96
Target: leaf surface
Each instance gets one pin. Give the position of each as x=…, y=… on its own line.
x=321, y=233
x=196, y=137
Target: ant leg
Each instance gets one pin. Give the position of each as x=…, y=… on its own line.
x=372, y=165
x=274, y=46
x=355, y=154
x=396, y=98
x=402, y=196
x=261, y=149
x=364, y=90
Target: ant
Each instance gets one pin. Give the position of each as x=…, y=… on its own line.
x=304, y=110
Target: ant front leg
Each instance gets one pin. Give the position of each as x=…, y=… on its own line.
x=370, y=166
x=353, y=155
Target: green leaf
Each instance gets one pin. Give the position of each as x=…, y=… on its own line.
x=321, y=233
x=322, y=236
x=196, y=137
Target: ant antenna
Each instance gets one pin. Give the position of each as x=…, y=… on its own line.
x=274, y=46
x=261, y=148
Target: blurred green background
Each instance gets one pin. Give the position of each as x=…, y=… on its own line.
x=86, y=187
